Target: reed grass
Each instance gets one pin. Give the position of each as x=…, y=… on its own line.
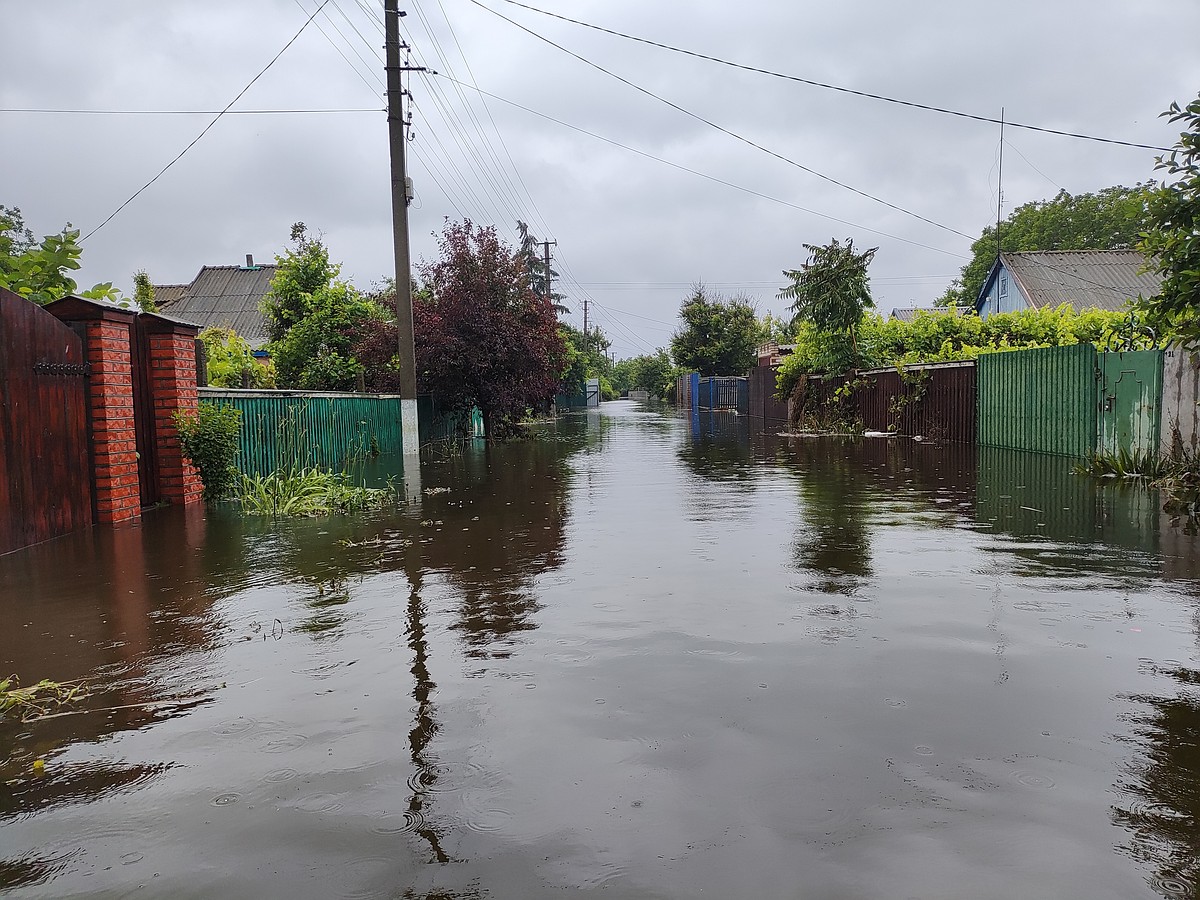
x=308, y=491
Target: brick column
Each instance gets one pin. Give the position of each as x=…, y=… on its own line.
x=107, y=332
x=173, y=389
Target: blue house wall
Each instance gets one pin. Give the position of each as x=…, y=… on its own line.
x=1001, y=295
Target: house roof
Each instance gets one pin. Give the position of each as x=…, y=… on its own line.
x=1084, y=279
x=166, y=294
x=909, y=313
x=224, y=297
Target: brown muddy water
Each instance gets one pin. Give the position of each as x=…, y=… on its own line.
x=637, y=655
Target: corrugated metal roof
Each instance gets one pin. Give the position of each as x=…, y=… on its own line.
x=1085, y=279
x=909, y=313
x=166, y=294
x=225, y=297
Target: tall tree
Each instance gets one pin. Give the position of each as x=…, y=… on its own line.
x=1110, y=219
x=313, y=318
x=1172, y=238
x=483, y=336
x=648, y=372
x=832, y=289
x=718, y=336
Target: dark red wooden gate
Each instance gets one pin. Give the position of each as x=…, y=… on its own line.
x=45, y=477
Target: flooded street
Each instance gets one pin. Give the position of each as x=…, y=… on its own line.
x=660, y=658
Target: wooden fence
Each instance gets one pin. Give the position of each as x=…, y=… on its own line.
x=767, y=413
x=935, y=401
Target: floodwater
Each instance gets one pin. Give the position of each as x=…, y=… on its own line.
x=638, y=655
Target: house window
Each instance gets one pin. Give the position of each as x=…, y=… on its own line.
x=1003, y=284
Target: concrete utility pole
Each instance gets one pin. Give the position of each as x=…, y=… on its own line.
x=397, y=145
x=585, y=331
x=546, y=251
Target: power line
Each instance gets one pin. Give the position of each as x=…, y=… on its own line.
x=188, y=112
x=216, y=119
x=838, y=88
x=338, y=49
x=726, y=131
x=699, y=174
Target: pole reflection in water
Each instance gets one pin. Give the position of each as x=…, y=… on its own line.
x=425, y=726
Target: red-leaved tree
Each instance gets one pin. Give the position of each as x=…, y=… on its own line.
x=483, y=337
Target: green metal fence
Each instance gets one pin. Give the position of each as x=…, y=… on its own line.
x=1071, y=401
x=1040, y=400
x=1130, y=403
x=283, y=429
x=437, y=424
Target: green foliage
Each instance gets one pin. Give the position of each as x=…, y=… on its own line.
x=313, y=319
x=946, y=336
x=531, y=253
x=831, y=290
x=718, y=336
x=585, y=359
x=209, y=439
x=143, y=292
x=231, y=362
x=38, y=270
x=653, y=373
x=1172, y=238
x=1127, y=464
x=15, y=237
x=1110, y=219
x=307, y=492
x=26, y=703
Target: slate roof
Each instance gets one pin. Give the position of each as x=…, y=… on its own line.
x=1085, y=279
x=166, y=294
x=222, y=296
x=909, y=313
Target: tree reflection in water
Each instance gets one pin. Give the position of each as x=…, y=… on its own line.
x=1161, y=806
x=833, y=538
x=499, y=526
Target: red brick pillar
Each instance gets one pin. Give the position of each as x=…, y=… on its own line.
x=108, y=332
x=173, y=389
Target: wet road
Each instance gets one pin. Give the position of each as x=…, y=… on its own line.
x=638, y=654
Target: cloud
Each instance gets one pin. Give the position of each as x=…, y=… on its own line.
x=617, y=217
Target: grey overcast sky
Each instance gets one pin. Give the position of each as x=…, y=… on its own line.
x=634, y=227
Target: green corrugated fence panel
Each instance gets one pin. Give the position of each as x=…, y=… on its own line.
x=1129, y=403
x=436, y=424
x=288, y=429
x=1040, y=400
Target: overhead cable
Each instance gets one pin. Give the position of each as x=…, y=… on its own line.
x=723, y=130
x=207, y=127
x=189, y=112
x=730, y=184
x=833, y=87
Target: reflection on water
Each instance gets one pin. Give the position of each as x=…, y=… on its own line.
x=651, y=654
x=1160, y=802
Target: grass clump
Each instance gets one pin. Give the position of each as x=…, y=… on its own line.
x=39, y=699
x=307, y=492
x=1128, y=464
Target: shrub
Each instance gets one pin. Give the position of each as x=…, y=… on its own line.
x=231, y=362
x=209, y=439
